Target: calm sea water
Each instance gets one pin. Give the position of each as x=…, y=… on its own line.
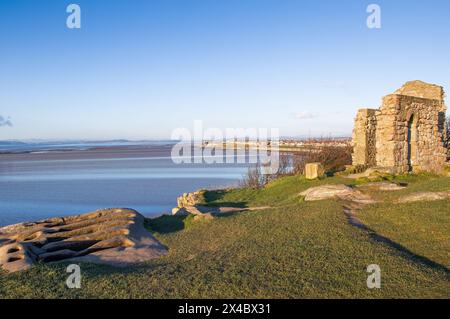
x=43, y=184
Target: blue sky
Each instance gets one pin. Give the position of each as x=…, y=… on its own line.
x=140, y=69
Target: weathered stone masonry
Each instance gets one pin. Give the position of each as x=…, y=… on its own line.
x=406, y=134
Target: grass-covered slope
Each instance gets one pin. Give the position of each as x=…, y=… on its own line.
x=294, y=249
x=422, y=227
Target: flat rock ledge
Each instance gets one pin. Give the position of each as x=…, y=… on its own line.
x=188, y=204
x=114, y=237
x=199, y=210
x=339, y=191
x=424, y=197
x=383, y=186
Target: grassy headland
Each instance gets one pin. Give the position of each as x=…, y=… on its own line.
x=291, y=249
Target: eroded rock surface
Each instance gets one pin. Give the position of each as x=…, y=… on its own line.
x=336, y=191
x=190, y=199
x=425, y=197
x=199, y=210
x=188, y=204
x=112, y=236
x=383, y=186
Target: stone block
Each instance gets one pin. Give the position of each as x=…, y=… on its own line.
x=314, y=170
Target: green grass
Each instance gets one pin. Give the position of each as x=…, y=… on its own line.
x=422, y=227
x=168, y=224
x=295, y=249
x=414, y=183
x=280, y=192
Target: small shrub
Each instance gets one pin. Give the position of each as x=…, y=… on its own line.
x=254, y=178
x=333, y=158
x=284, y=165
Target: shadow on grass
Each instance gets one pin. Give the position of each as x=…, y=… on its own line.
x=408, y=254
x=213, y=199
x=167, y=223
x=212, y=196
x=92, y=270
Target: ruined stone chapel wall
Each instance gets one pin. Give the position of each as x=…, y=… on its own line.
x=364, y=137
x=409, y=130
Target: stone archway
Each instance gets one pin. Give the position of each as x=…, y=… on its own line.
x=412, y=142
x=406, y=133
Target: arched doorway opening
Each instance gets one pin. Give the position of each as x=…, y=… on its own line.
x=412, y=142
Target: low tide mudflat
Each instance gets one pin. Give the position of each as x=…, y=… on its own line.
x=40, y=184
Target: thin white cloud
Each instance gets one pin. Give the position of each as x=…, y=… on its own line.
x=305, y=115
x=5, y=121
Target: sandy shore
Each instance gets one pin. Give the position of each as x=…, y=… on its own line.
x=133, y=151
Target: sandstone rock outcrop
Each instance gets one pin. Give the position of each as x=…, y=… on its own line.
x=112, y=236
x=336, y=191
x=407, y=133
x=190, y=199
x=383, y=186
x=188, y=204
x=424, y=197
